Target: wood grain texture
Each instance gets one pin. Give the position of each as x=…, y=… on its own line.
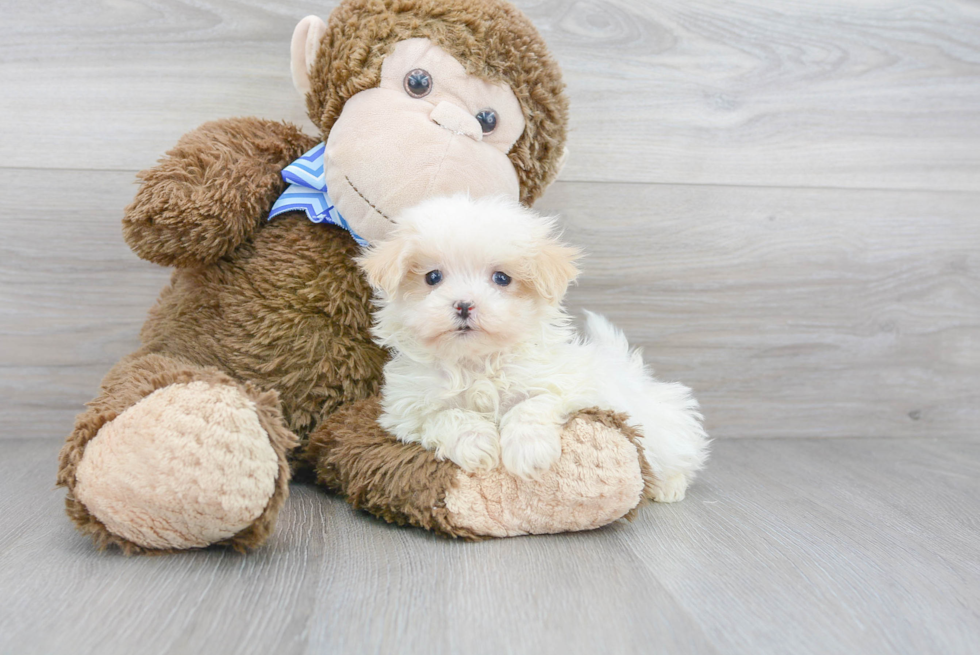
x=783, y=546
x=791, y=312
x=804, y=93
x=882, y=94
x=72, y=294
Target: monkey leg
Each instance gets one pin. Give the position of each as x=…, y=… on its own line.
x=172, y=456
x=600, y=477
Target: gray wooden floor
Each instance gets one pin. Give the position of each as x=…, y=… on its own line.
x=781, y=203
x=784, y=546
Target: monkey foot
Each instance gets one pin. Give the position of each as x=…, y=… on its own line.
x=185, y=467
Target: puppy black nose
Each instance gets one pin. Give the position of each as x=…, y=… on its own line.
x=463, y=309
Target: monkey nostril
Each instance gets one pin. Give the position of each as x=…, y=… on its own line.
x=456, y=119
x=463, y=309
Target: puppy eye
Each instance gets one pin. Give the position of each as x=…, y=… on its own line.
x=418, y=83
x=433, y=278
x=488, y=120
x=501, y=278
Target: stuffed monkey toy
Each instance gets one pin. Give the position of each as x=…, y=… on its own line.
x=256, y=362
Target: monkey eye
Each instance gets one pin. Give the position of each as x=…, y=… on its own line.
x=433, y=278
x=418, y=83
x=488, y=120
x=500, y=278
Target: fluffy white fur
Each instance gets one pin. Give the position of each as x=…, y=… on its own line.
x=498, y=382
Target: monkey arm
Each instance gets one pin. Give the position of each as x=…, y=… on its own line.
x=212, y=191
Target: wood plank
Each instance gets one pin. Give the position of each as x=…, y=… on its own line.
x=791, y=312
x=72, y=294
x=821, y=93
x=825, y=546
x=828, y=93
x=783, y=545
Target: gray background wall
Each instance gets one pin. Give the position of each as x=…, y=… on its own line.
x=781, y=200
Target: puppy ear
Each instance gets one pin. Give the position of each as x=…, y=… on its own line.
x=554, y=269
x=385, y=265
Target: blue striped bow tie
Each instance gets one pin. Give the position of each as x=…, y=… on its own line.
x=307, y=192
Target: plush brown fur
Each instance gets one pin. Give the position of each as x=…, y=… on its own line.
x=212, y=191
x=491, y=38
x=401, y=483
x=289, y=311
x=279, y=309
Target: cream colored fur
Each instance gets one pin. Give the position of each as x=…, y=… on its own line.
x=497, y=383
x=185, y=467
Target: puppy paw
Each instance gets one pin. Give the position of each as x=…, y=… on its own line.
x=669, y=489
x=529, y=449
x=473, y=450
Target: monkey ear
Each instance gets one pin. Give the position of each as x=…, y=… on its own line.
x=554, y=269
x=562, y=161
x=306, y=42
x=385, y=265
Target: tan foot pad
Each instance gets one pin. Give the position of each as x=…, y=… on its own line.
x=597, y=480
x=185, y=467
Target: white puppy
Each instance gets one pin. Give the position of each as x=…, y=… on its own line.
x=486, y=366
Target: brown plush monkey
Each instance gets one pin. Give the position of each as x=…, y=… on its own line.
x=260, y=343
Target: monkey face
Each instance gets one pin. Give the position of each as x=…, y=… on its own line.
x=429, y=129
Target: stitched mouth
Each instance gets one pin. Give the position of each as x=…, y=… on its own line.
x=370, y=204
